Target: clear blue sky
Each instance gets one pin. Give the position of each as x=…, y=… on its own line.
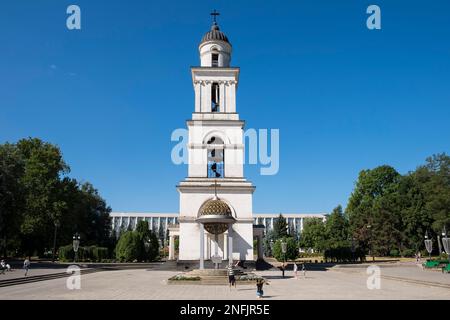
x=344, y=98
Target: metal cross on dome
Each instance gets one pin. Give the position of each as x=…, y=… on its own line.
x=215, y=14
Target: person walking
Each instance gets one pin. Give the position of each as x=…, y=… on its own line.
x=26, y=266
x=231, y=277
x=283, y=267
x=304, y=270
x=295, y=270
x=259, y=288
x=3, y=266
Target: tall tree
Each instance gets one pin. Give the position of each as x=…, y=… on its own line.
x=371, y=186
x=313, y=235
x=337, y=229
x=11, y=195
x=43, y=166
x=280, y=227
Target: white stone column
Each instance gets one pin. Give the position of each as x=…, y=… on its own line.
x=172, y=248
x=198, y=96
x=230, y=244
x=225, y=246
x=206, y=97
x=231, y=97
x=222, y=101
x=202, y=246
x=216, y=249
x=208, y=246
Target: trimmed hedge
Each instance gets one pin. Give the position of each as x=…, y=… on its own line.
x=343, y=254
x=85, y=254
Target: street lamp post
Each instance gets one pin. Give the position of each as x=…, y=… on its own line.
x=147, y=246
x=370, y=242
x=446, y=243
x=428, y=244
x=76, y=245
x=284, y=249
x=54, y=240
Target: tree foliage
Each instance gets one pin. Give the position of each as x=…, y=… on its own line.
x=280, y=229
x=389, y=212
x=313, y=234
x=37, y=196
x=291, y=249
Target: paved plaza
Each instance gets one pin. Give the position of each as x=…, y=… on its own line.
x=346, y=282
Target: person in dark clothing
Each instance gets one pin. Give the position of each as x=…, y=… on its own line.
x=283, y=267
x=231, y=276
x=259, y=287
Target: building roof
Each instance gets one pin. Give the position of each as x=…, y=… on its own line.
x=215, y=35
x=215, y=207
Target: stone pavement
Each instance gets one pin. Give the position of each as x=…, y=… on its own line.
x=337, y=283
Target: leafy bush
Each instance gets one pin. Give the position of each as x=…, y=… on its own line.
x=291, y=249
x=408, y=253
x=66, y=253
x=394, y=253
x=128, y=247
x=343, y=254
x=309, y=254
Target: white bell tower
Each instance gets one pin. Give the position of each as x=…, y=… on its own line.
x=216, y=153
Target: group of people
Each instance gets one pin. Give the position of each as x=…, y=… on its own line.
x=418, y=256
x=296, y=270
x=7, y=267
x=4, y=266
x=303, y=269
x=261, y=281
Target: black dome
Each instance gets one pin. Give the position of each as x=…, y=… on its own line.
x=215, y=34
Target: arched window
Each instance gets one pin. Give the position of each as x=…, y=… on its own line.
x=216, y=157
x=215, y=95
x=214, y=58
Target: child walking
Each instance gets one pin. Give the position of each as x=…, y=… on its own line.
x=259, y=287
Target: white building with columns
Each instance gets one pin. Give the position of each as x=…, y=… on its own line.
x=216, y=219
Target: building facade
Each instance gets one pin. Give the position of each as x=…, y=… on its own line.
x=161, y=222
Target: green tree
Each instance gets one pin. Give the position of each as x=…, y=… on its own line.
x=280, y=227
x=43, y=166
x=291, y=249
x=337, y=229
x=128, y=247
x=268, y=242
x=366, y=210
x=313, y=235
x=149, y=246
x=11, y=195
x=36, y=196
